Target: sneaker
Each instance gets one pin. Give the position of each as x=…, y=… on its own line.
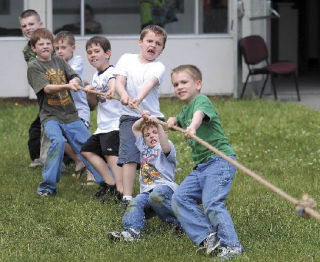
x=104, y=189
x=36, y=163
x=127, y=235
x=230, y=252
x=123, y=206
x=45, y=193
x=211, y=243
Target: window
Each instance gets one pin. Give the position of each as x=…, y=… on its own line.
x=127, y=16
x=9, y=17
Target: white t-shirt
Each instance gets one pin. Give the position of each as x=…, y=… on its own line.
x=109, y=111
x=137, y=73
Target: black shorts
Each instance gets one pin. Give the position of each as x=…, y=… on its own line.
x=106, y=144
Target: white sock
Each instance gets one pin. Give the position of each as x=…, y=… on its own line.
x=129, y=198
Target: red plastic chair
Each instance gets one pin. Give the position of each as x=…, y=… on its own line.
x=254, y=50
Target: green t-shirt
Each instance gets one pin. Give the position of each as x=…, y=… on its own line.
x=210, y=130
x=58, y=106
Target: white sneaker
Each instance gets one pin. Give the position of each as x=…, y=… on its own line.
x=230, y=252
x=211, y=243
x=35, y=163
x=127, y=235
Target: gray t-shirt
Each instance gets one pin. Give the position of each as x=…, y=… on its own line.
x=156, y=168
x=58, y=106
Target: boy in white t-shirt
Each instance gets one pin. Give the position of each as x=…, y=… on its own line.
x=103, y=145
x=138, y=79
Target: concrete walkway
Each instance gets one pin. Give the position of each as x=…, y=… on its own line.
x=309, y=91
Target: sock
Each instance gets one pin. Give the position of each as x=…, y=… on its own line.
x=129, y=198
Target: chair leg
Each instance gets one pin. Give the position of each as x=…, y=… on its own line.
x=264, y=85
x=274, y=87
x=245, y=85
x=297, y=86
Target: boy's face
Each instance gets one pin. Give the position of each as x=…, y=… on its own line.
x=64, y=50
x=29, y=24
x=151, y=47
x=97, y=57
x=151, y=136
x=43, y=49
x=185, y=87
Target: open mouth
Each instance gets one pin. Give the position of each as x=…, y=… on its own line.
x=150, y=51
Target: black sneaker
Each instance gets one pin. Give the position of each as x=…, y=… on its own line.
x=104, y=189
x=45, y=193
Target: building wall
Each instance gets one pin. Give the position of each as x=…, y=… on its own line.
x=212, y=54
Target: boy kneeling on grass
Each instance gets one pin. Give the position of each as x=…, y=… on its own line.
x=210, y=180
x=158, y=163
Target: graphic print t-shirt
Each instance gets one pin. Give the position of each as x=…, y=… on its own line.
x=156, y=167
x=58, y=106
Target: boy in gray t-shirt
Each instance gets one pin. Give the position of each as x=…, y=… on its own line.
x=158, y=163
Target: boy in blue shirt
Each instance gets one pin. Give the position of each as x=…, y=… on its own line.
x=211, y=178
x=158, y=163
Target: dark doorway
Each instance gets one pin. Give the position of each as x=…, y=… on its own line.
x=295, y=35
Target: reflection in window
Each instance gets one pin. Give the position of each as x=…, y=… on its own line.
x=9, y=13
x=128, y=16
x=215, y=16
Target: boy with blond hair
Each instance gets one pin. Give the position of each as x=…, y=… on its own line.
x=103, y=145
x=210, y=181
x=138, y=79
x=52, y=79
x=158, y=163
x=64, y=45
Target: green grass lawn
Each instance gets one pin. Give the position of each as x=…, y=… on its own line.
x=280, y=142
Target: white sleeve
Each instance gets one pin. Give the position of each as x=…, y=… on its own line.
x=121, y=66
x=156, y=70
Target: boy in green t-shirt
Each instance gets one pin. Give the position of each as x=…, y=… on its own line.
x=52, y=80
x=210, y=180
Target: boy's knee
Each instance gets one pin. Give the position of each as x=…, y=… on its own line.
x=157, y=197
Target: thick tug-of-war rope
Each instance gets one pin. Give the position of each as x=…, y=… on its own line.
x=305, y=207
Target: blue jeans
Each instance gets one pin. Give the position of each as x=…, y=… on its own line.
x=208, y=184
x=148, y=204
x=76, y=134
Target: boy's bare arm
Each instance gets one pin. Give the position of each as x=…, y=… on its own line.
x=172, y=121
x=145, y=89
x=163, y=139
x=92, y=98
x=121, y=82
x=72, y=85
x=112, y=88
x=136, y=128
x=195, y=123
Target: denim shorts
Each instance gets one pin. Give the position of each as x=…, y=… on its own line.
x=128, y=152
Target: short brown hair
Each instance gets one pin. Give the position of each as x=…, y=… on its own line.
x=158, y=30
x=192, y=70
x=99, y=40
x=40, y=33
x=65, y=35
x=29, y=12
x=146, y=126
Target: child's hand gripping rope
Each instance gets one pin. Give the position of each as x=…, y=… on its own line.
x=304, y=208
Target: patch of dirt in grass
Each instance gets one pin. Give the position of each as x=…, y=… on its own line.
x=25, y=101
